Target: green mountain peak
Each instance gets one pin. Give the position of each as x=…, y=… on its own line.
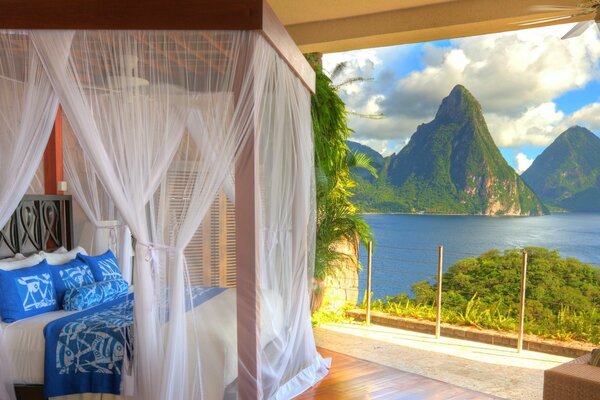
x=576, y=133
x=452, y=165
x=460, y=102
x=567, y=173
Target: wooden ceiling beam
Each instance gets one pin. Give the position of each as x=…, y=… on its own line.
x=131, y=14
x=198, y=15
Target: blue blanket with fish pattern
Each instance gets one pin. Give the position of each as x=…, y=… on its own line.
x=85, y=351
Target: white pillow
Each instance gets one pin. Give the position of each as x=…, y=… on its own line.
x=16, y=257
x=22, y=263
x=62, y=258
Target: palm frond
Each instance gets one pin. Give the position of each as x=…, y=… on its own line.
x=352, y=80
x=356, y=159
x=367, y=116
x=338, y=69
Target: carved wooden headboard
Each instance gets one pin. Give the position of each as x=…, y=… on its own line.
x=40, y=222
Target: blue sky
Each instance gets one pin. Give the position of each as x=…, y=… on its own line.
x=532, y=86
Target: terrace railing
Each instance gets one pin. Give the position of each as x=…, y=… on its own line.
x=421, y=271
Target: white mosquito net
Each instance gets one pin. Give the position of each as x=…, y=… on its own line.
x=160, y=122
x=27, y=110
x=103, y=229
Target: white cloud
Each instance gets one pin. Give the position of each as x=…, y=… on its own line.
x=536, y=126
x=523, y=162
x=515, y=76
x=588, y=116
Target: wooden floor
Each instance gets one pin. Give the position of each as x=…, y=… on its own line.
x=351, y=378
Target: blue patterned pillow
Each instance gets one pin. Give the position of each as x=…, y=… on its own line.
x=104, y=267
x=84, y=297
x=26, y=292
x=70, y=275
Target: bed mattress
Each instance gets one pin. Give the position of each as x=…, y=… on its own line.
x=25, y=342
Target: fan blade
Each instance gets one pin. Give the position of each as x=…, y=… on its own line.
x=550, y=8
x=538, y=21
x=578, y=29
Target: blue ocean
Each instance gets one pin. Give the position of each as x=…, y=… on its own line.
x=406, y=246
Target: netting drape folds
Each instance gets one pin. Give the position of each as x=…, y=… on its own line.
x=104, y=230
x=27, y=109
x=158, y=119
x=285, y=186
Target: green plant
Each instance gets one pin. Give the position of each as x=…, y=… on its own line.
x=337, y=217
x=328, y=315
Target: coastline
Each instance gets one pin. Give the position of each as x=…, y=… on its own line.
x=459, y=215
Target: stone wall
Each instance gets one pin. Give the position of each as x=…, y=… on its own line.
x=343, y=287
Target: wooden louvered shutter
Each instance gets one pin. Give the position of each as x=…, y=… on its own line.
x=211, y=253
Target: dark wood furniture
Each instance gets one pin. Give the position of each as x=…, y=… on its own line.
x=40, y=223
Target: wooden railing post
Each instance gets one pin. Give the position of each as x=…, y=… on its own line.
x=368, y=291
x=438, y=320
x=522, y=303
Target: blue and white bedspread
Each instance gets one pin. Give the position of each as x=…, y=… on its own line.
x=84, y=351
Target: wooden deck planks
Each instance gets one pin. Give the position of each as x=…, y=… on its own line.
x=351, y=378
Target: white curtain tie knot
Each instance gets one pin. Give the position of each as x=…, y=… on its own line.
x=153, y=247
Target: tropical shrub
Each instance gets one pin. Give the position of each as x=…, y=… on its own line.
x=337, y=217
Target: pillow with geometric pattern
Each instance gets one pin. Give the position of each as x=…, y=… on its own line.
x=595, y=360
x=104, y=266
x=84, y=297
x=26, y=292
x=72, y=274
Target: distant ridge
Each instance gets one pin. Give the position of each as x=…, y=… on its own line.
x=567, y=173
x=451, y=165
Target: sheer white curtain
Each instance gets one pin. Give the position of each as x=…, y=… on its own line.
x=104, y=230
x=218, y=124
x=128, y=99
x=130, y=130
x=144, y=104
x=286, y=219
x=37, y=183
x=27, y=110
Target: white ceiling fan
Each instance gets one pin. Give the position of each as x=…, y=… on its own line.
x=587, y=7
x=130, y=78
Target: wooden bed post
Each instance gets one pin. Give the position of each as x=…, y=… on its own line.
x=246, y=237
x=53, y=157
x=247, y=275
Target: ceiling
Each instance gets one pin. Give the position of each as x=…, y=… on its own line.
x=339, y=25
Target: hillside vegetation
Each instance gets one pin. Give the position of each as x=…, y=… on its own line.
x=567, y=173
x=451, y=165
x=562, y=298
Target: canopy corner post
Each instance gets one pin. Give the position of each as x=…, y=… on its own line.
x=247, y=275
x=246, y=242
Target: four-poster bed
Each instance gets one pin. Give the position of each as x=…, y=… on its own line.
x=172, y=107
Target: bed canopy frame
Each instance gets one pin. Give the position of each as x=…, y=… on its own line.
x=177, y=17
